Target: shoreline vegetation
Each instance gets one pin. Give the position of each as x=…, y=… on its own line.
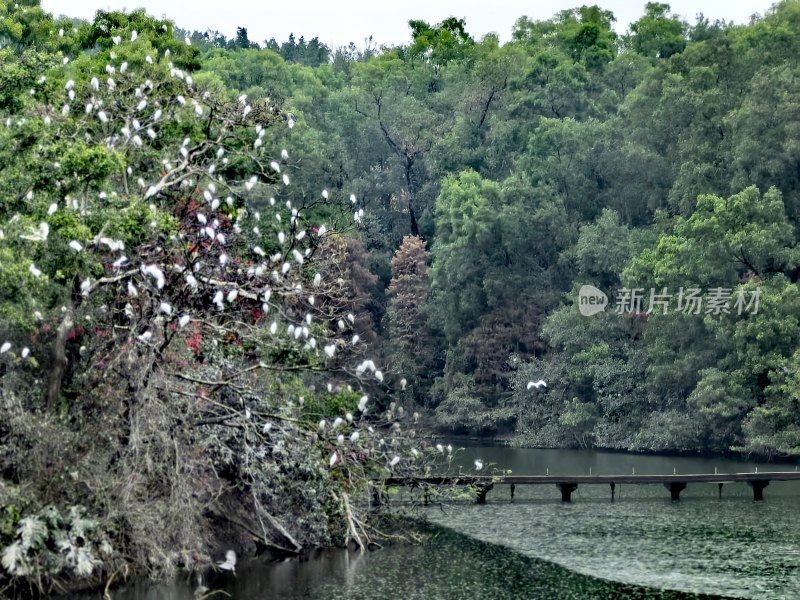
x=242, y=281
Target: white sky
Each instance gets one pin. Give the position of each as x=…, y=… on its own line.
x=340, y=22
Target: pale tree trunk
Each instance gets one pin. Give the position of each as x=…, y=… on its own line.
x=53, y=390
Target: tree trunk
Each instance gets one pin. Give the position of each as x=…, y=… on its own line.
x=59, y=362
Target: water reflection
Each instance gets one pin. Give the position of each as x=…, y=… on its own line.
x=703, y=543
x=539, y=548
x=448, y=567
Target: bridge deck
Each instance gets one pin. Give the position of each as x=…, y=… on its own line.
x=593, y=479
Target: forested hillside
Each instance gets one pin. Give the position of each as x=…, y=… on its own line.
x=664, y=158
x=201, y=237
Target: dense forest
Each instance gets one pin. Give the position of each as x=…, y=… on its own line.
x=662, y=159
x=240, y=280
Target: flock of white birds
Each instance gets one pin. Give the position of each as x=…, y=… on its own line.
x=136, y=128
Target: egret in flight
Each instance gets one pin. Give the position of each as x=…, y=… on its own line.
x=536, y=384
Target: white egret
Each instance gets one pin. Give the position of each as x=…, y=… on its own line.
x=184, y=320
x=5, y=347
x=229, y=564
x=478, y=464
x=156, y=273
x=536, y=384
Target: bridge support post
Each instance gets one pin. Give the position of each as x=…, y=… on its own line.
x=758, y=486
x=613, y=486
x=720, y=489
x=483, y=489
x=513, y=487
x=566, y=490
x=675, y=488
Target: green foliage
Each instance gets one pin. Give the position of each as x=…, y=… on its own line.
x=328, y=405
x=658, y=34
x=49, y=544
x=567, y=156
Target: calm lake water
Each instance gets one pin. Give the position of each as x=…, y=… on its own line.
x=537, y=547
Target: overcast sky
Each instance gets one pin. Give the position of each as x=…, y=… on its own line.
x=338, y=23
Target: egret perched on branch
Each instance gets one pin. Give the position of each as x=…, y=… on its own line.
x=536, y=384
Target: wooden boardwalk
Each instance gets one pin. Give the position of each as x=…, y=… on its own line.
x=569, y=483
